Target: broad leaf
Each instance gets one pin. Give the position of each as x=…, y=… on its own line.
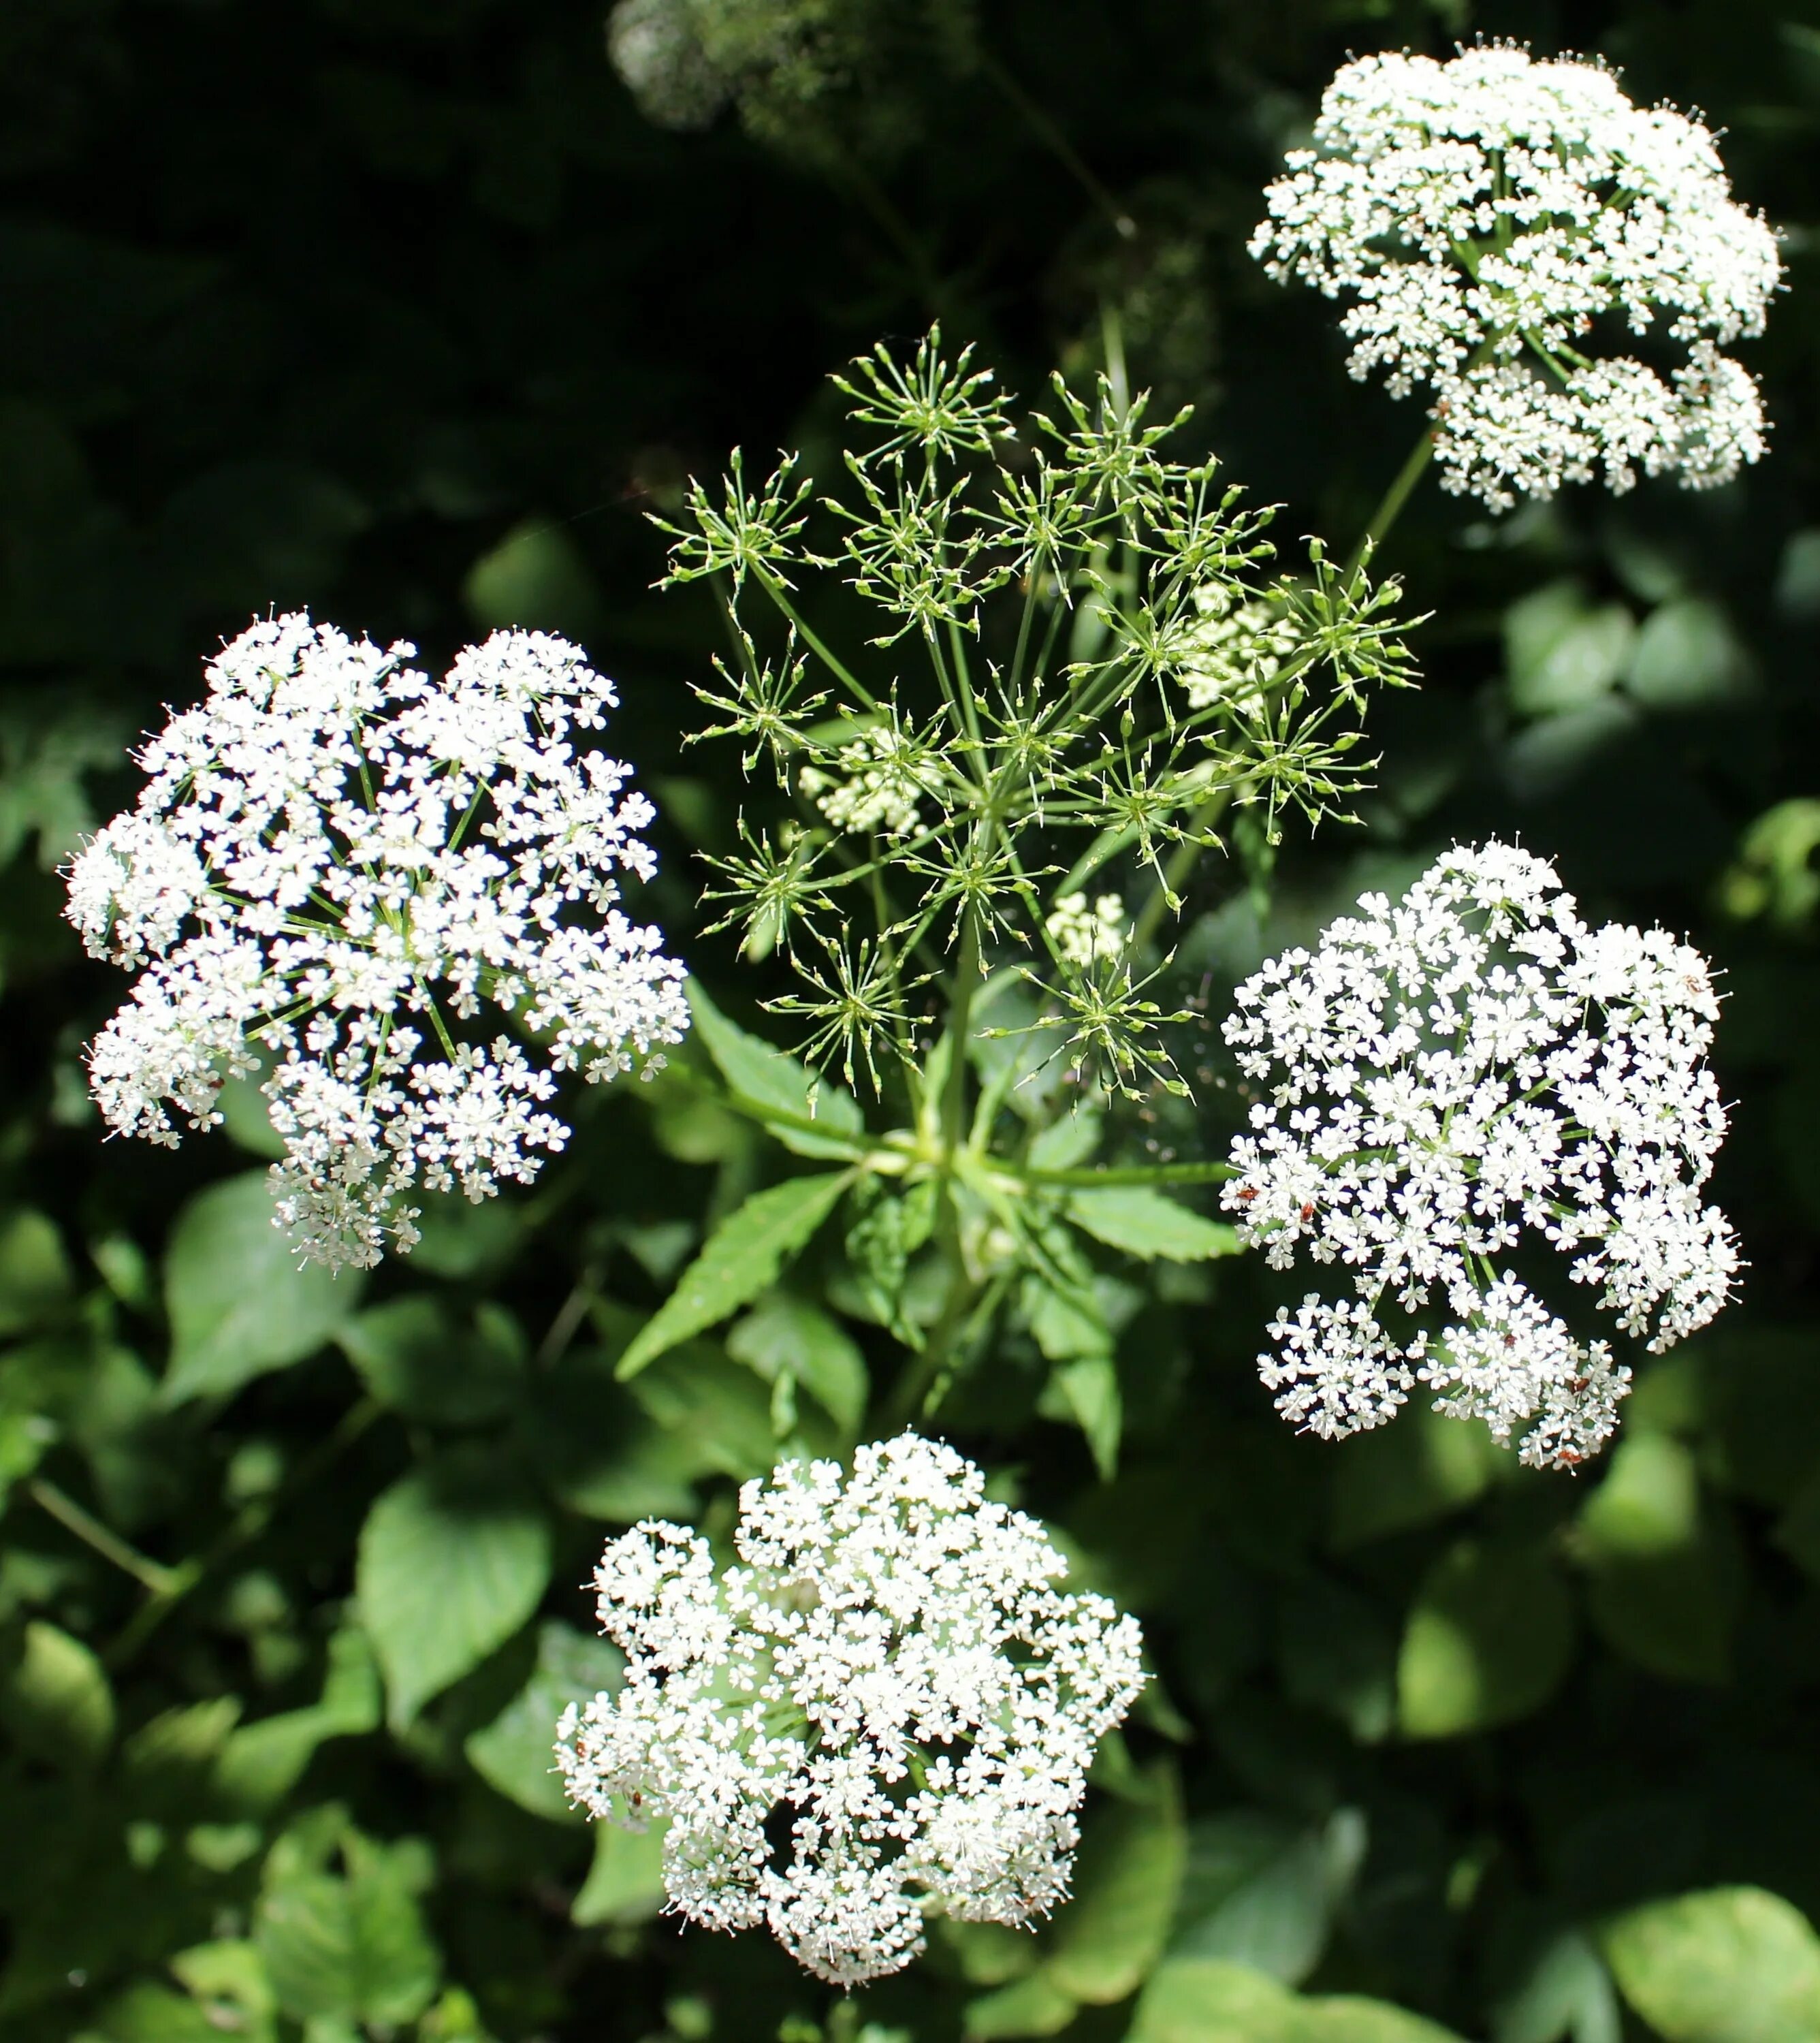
x=238, y=1303
x=55, y=1701
x=453, y=1558
x=784, y=1335
x=765, y=1077
x=414, y=1355
x=1126, y=1881
x=1488, y=1640
x=515, y=1753
x=1662, y=1582
x=744, y=1255
x=626, y=1882
x=1734, y=1964
x=349, y=1949
x=1144, y=1223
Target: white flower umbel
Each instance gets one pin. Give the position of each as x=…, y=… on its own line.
x=345, y=864
x=1084, y=935
x=885, y=1710
x=1485, y=216
x=1442, y=1077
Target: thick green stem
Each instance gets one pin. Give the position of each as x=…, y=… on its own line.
x=1392, y=502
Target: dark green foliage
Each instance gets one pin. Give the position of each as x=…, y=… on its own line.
x=401, y=309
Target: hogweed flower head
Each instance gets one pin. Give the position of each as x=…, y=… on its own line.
x=888, y=1676
x=347, y=866
x=1444, y=1077
x=1484, y=216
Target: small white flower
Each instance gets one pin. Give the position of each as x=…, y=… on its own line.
x=888, y=1670
x=339, y=862
x=1085, y=935
x=1444, y=1078
x=1229, y=650
x=1483, y=216
x=886, y=775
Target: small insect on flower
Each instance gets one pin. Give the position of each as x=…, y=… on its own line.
x=1484, y=216
x=1442, y=1075
x=886, y=1709
x=342, y=865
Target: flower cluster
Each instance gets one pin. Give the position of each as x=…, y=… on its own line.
x=340, y=863
x=888, y=1677
x=1443, y=1075
x=1483, y=216
x=1081, y=656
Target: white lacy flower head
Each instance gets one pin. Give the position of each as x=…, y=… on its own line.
x=342, y=864
x=1442, y=1077
x=1483, y=216
x=888, y=1678
x=883, y=775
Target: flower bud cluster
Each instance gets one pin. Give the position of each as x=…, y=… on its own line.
x=1485, y=216
x=1443, y=1077
x=885, y=1709
x=340, y=863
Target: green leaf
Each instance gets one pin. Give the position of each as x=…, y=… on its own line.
x=414, y=1355
x=1489, y=1639
x=35, y=1279
x=1126, y=1881
x=744, y=1256
x=262, y=1761
x=1211, y=2000
x=1350, y=2018
x=1260, y=1889
x=1034, y=2006
x=515, y=1754
x=149, y=2013
x=1561, y=651
x=1088, y=1387
x=453, y=1558
x=55, y=1701
x=1734, y=1964
x=626, y=1882
x=1687, y=656
x=1661, y=1579
x=228, y=1978
x=784, y=1335
x=1144, y=1223
x=535, y=577
x=1396, y=1477
x=765, y=1077
x=350, y=1950
x=1566, y=1991
x=239, y=1305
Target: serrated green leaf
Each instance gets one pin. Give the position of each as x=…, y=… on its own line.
x=1733, y=1964
x=1144, y=1223
x=766, y=1077
x=744, y=1255
x=453, y=1558
x=239, y=1304
x=1489, y=1639
x=1089, y=1387
x=786, y=1335
x=515, y=1754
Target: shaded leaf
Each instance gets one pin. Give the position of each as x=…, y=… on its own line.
x=453, y=1558
x=239, y=1304
x=516, y=1752
x=767, y=1077
x=1488, y=1640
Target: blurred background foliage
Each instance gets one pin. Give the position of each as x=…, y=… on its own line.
x=407, y=310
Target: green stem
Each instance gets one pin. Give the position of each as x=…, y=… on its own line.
x=148, y=1573
x=837, y=667
x=1204, y=1172
x=1392, y=502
